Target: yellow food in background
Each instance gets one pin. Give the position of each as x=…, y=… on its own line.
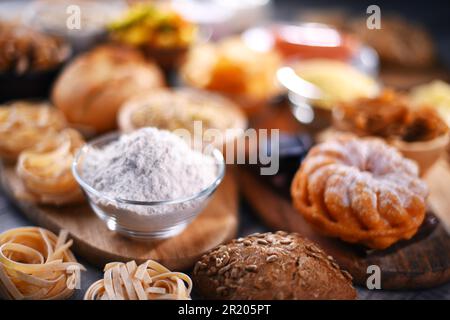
x=157, y=26
x=435, y=94
x=36, y=264
x=339, y=82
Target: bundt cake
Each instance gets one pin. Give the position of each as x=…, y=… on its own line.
x=360, y=190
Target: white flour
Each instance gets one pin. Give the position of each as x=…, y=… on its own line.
x=149, y=165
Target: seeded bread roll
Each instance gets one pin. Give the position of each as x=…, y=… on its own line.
x=271, y=266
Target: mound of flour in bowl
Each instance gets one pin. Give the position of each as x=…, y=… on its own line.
x=149, y=165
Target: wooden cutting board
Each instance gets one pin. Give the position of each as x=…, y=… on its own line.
x=98, y=245
x=421, y=262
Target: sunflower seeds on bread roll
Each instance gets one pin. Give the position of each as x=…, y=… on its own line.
x=271, y=266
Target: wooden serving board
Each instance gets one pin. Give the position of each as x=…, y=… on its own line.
x=98, y=245
x=421, y=262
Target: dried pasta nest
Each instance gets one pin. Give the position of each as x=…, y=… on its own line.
x=25, y=124
x=398, y=42
x=232, y=68
x=36, y=264
x=45, y=171
x=148, y=281
x=420, y=133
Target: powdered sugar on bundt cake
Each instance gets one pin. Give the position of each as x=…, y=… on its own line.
x=360, y=190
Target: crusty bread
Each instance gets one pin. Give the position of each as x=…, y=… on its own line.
x=91, y=89
x=271, y=266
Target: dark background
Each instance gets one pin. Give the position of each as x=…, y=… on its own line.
x=432, y=14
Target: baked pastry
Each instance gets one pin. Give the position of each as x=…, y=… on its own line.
x=271, y=266
x=232, y=68
x=46, y=170
x=419, y=132
x=24, y=124
x=184, y=109
x=360, y=190
x=91, y=89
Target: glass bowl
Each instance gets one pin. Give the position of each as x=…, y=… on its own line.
x=151, y=220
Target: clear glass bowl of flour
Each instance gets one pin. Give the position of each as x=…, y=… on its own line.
x=167, y=219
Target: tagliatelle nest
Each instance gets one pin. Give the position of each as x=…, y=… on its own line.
x=24, y=124
x=45, y=170
x=148, y=281
x=36, y=264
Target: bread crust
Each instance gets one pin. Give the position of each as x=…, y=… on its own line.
x=271, y=266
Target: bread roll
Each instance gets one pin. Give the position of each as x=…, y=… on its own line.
x=271, y=266
x=91, y=89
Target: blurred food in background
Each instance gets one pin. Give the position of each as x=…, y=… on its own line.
x=315, y=86
x=92, y=88
x=398, y=42
x=338, y=81
x=45, y=170
x=161, y=32
x=232, y=68
x=188, y=108
x=225, y=17
x=29, y=61
x=375, y=192
x=51, y=17
x=25, y=124
x=304, y=41
x=435, y=94
x=228, y=64
x=418, y=132
x=41, y=269
x=390, y=115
